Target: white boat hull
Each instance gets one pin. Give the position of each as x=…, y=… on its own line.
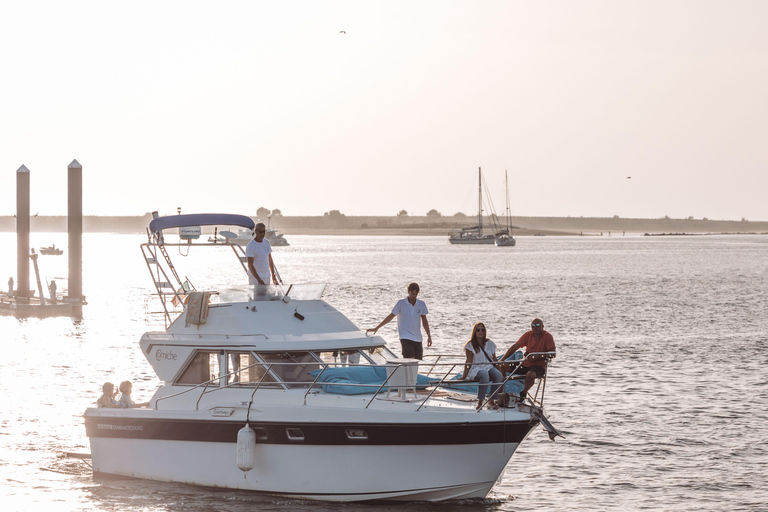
x=438, y=453
x=457, y=240
x=346, y=473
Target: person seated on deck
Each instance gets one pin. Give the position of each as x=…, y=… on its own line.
x=107, y=399
x=481, y=354
x=125, y=400
x=534, y=366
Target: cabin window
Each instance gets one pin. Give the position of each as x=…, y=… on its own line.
x=366, y=356
x=378, y=355
x=338, y=358
x=203, y=368
x=245, y=370
x=292, y=367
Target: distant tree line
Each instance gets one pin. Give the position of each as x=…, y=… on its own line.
x=432, y=213
x=264, y=213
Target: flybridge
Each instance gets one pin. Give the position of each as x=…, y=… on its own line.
x=170, y=287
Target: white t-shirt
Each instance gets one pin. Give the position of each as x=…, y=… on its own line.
x=479, y=359
x=409, y=319
x=125, y=401
x=259, y=251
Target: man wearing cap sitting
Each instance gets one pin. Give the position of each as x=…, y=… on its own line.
x=534, y=366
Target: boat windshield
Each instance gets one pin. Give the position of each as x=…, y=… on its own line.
x=299, y=368
x=374, y=355
x=246, y=293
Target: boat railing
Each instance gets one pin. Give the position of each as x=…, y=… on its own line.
x=207, y=383
x=447, y=380
x=538, y=395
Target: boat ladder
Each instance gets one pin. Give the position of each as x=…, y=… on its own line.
x=165, y=287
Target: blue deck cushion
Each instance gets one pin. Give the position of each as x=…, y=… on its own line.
x=346, y=380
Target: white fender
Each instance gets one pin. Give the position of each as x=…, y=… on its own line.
x=246, y=448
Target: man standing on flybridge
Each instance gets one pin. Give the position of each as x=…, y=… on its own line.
x=409, y=312
x=259, y=255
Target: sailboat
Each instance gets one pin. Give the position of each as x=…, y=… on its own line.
x=504, y=237
x=474, y=234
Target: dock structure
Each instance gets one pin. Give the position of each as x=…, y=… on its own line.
x=22, y=302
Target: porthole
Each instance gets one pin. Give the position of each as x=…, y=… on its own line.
x=356, y=434
x=261, y=433
x=294, y=434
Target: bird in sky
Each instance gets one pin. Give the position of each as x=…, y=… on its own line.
x=629, y=177
x=343, y=32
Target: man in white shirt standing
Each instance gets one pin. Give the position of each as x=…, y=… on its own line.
x=259, y=255
x=410, y=312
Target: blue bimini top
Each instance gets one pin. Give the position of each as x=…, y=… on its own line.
x=201, y=219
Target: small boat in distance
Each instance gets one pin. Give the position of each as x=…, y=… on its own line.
x=504, y=237
x=243, y=236
x=51, y=251
x=474, y=234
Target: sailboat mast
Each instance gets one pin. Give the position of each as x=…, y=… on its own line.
x=480, y=199
x=509, y=211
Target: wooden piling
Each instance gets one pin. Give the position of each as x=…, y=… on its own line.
x=22, y=232
x=75, y=229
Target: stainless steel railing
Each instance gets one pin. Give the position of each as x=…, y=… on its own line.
x=442, y=382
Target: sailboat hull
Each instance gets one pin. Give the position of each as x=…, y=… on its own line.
x=489, y=240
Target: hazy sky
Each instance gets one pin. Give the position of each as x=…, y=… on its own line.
x=228, y=106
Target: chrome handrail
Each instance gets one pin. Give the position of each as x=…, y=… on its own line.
x=313, y=383
x=205, y=384
x=437, y=386
x=381, y=387
x=385, y=383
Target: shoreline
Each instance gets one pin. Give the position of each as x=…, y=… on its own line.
x=342, y=225
x=516, y=234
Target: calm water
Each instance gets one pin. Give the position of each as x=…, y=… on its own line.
x=660, y=384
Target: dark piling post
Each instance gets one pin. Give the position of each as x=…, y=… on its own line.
x=22, y=232
x=75, y=229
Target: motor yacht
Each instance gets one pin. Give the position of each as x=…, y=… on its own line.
x=273, y=390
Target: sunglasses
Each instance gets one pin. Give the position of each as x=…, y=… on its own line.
x=536, y=325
